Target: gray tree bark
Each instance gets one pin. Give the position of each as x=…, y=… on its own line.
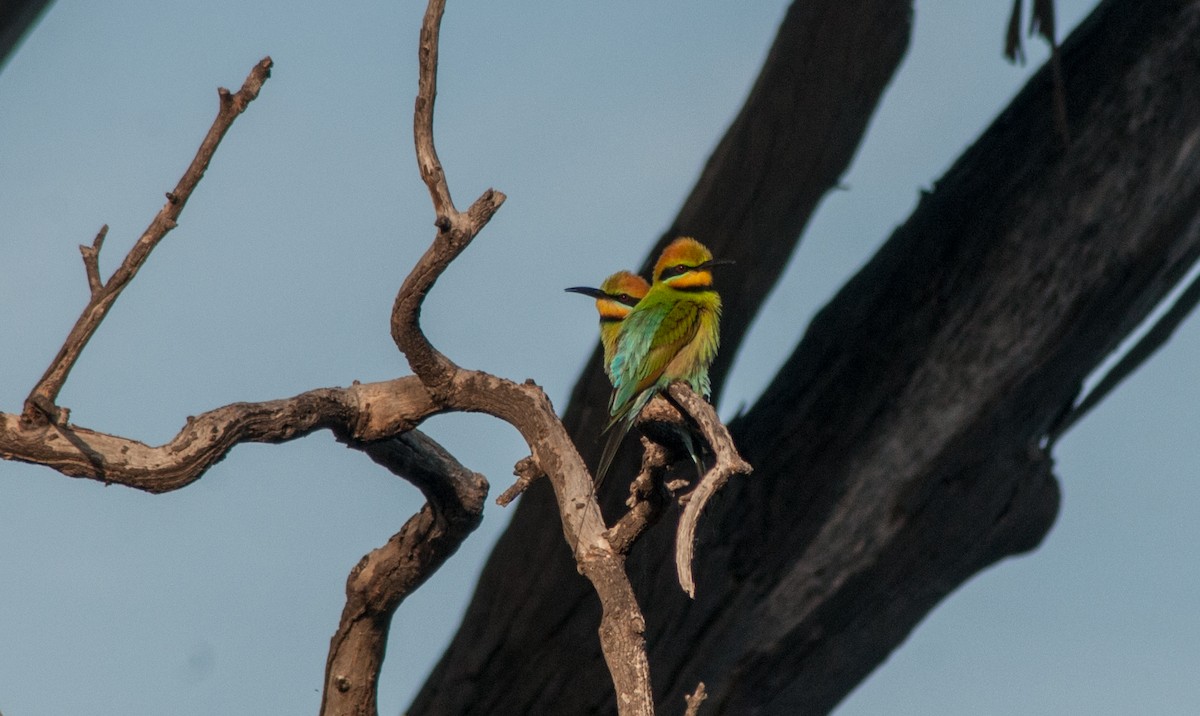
x=903, y=446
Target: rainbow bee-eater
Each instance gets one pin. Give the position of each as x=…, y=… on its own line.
x=615, y=298
x=671, y=334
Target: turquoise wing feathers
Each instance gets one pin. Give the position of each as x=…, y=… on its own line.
x=650, y=340
x=669, y=332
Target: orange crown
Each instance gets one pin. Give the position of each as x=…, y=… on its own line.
x=625, y=282
x=684, y=251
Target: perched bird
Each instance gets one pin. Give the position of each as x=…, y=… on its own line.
x=615, y=298
x=671, y=334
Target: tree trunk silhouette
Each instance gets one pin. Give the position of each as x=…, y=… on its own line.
x=16, y=18
x=905, y=444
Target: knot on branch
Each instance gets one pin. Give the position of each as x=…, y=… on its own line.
x=40, y=412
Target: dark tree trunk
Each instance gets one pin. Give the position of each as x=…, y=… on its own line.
x=16, y=18
x=901, y=447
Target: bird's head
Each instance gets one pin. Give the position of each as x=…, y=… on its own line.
x=686, y=264
x=617, y=296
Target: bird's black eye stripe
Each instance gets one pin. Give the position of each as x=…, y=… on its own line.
x=677, y=270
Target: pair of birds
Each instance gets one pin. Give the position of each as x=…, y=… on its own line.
x=655, y=334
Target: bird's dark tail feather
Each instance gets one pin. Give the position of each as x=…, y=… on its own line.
x=689, y=443
x=617, y=430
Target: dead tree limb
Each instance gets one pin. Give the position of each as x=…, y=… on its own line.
x=39, y=406
x=899, y=450
x=523, y=406
x=384, y=577
x=962, y=341
x=646, y=501
x=790, y=144
x=694, y=700
x=728, y=464
x=362, y=412
x=377, y=418
x=679, y=411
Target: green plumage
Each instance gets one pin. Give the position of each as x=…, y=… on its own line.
x=672, y=334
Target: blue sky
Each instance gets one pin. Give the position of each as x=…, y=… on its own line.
x=595, y=119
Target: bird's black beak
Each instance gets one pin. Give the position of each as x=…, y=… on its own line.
x=587, y=291
x=714, y=262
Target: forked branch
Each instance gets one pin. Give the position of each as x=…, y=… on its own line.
x=377, y=418
x=455, y=230
x=524, y=406
x=663, y=420
x=39, y=406
x=380, y=420
x=362, y=412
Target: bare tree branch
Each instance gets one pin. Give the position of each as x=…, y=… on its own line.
x=1013, y=48
x=38, y=406
x=427, y=159
x=455, y=230
x=362, y=412
x=646, y=500
x=662, y=422
x=728, y=464
x=525, y=406
x=91, y=262
x=378, y=419
x=384, y=577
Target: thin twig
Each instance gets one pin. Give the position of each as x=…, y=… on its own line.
x=1042, y=22
x=91, y=261
x=728, y=463
x=427, y=158
x=1013, y=49
x=527, y=472
x=46, y=391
